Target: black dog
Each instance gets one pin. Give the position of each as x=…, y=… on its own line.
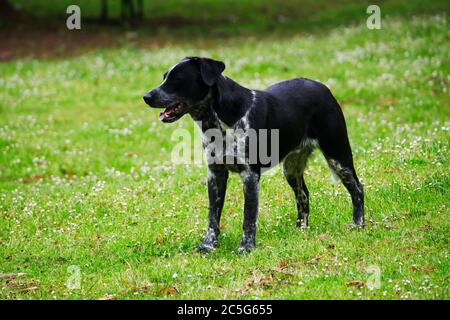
x=304, y=112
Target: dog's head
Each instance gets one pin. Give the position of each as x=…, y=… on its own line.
x=184, y=87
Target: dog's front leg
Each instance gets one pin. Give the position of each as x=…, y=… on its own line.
x=217, y=186
x=251, y=195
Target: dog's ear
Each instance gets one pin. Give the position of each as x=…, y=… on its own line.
x=210, y=70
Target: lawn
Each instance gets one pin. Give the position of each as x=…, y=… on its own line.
x=88, y=188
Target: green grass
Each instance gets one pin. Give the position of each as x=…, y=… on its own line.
x=86, y=177
x=187, y=19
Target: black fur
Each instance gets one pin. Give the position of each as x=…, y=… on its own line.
x=304, y=111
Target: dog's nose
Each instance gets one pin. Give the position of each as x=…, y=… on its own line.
x=148, y=97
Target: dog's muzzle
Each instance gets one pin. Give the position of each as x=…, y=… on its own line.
x=173, y=110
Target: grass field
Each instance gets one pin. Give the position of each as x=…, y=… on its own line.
x=86, y=178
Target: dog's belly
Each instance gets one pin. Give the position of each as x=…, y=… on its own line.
x=241, y=163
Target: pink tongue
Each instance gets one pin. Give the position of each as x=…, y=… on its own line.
x=162, y=116
x=165, y=114
x=169, y=112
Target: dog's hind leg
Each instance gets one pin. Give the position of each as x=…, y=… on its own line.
x=346, y=173
x=217, y=185
x=293, y=167
x=334, y=143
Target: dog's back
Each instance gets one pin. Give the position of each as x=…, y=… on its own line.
x=301, y=105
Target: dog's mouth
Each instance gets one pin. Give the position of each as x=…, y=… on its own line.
x=173, y=112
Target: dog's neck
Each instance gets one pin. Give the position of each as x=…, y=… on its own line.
x=231, y=100
x=203, y=114
x=225, y=103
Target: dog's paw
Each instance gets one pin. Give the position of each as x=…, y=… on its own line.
x=246, y=248
x=356, y=226
x=301, y=224
x=206, y=247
